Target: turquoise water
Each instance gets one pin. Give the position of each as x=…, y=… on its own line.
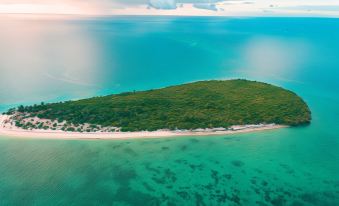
x=58, y=60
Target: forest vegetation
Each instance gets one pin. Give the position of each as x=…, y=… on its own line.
x=203, y=104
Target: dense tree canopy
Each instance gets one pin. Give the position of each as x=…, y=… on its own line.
x=204, y=104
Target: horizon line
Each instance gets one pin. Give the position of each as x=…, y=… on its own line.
x=172, y=15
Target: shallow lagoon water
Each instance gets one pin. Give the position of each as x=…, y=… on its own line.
x=270, y=168
x=292, y=166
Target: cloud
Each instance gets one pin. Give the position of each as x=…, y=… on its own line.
x=163, y=4
x=212, y=7
x=174, y=7
x=313, y=8
x=101, y=6
x=58, y=7
x=173, y=4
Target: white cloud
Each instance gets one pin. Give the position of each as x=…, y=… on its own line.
x=175, y=7
x=212, y=7
x=174, y=4
x=163, y=4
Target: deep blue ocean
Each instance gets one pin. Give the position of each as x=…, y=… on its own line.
x=57, y=60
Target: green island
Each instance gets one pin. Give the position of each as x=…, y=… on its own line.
x=203, y=104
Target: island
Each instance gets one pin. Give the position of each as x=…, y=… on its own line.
x=201, y=108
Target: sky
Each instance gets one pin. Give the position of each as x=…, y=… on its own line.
x=174, y=7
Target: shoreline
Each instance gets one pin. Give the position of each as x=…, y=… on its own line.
x=62, y=135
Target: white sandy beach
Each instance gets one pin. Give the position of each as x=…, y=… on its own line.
x=56, y=134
